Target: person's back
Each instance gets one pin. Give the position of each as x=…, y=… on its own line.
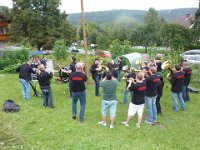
x=109, y=89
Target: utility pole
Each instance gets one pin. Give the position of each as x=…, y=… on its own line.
x=84, y=37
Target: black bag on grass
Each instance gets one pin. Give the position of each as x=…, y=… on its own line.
x=10, y=106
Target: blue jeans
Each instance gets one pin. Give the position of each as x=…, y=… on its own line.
x=96, y=79
x=82, y=97
x=175, y=97
x=185, y=93
x=25, y=88
x=126, y=95
x=151, y=109
x=47, y=97
x=119, y=75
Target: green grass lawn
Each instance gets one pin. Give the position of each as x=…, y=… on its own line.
x=37, y=128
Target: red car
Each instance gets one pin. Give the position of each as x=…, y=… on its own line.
x=103, y=53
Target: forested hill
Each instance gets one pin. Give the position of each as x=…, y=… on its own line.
x=107, y=17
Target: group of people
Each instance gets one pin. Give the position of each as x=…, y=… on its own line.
x=145, y=86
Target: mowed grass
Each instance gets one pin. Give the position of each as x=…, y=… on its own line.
x=37, y=128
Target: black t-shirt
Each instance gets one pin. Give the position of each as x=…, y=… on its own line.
x=177, y=82
x=159, y=64
x=93, y=69
x=120, y=65
x=139, y=93
x=130, y=75
x=72, y=67
x=187, y=76
x=152, y=83
x=77, y=81
x=44, y=79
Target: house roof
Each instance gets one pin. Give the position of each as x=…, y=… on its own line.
x=186, y=21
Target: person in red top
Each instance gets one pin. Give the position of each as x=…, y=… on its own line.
x=187, y=76
x=77, y=80
x=177, y=83
x=138, y=98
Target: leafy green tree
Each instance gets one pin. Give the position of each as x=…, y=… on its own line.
x=60, y=49
x=118, y=48
x=174, y=36
x=41, y=22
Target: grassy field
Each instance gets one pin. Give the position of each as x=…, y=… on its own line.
x=37, y=128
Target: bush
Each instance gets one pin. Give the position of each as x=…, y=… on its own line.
x=60, y=50
x=11, y=68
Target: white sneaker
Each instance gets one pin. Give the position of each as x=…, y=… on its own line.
x=138, y=125
x=102, y=123
x=111, y=126
x=126, y=124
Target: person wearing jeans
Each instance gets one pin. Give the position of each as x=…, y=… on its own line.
x=109, y=86
x=44, y=82
x=82, y=97
x=25, y=88
x=95, y=75
x=177, y=83
x=25, y=71
x=151, y=94
x=187, y=76
x=77, y=80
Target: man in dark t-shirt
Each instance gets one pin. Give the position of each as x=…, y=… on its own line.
x=25, y=71
x=130, y=75
x=187, y=76
x=151, y=94
x=77, y=80
x=138, y=98
x=177, y=83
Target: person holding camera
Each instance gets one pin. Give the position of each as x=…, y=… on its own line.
x=44, y=78
x=109, y=86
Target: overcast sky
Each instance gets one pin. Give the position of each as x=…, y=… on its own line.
x=73, y=6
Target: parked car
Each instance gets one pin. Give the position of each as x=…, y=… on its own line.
x=103, y=53
x=190, y=53
x=193, y=59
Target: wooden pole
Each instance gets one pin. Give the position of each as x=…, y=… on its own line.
x=84, y=37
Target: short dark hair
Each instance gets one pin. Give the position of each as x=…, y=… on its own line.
x=73, y=58
x=178, y=67
x=108, y=75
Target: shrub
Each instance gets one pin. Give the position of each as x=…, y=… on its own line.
x=11, y=68
x=60, y=49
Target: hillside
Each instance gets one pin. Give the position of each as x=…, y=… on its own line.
x=107, y=17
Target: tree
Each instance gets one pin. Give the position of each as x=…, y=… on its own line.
x=41, y=22
x=60, y=49
x=174, y=36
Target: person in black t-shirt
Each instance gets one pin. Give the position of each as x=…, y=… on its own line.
x=25, y=71
x=177, y=83
x=70, y=71
x=145, y=69
x=130, y=75
x=188, y=72
x=159, y=94
x=44, y=82
x=138, y=98
x=95, y=75
x=119, y=70
x=151, y=94
x=77, y=80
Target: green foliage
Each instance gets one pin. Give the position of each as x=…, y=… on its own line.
x=11, y=68
x=41, y=22
x=118, y=48
x=174, y=36
x=60, y=49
